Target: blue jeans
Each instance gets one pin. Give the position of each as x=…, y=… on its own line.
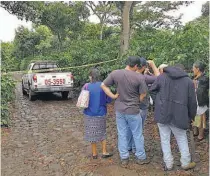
x=131, y=123
x=131, y=144
x=143, y=116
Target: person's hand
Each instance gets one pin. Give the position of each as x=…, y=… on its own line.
x=146, y=71
x=115, y=96
x=150, y=62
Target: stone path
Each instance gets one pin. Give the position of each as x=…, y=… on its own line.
x=46, y=139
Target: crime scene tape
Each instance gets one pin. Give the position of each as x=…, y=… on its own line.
x=54, y=69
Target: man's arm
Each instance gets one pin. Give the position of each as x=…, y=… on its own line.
x=155, y=88
x=154, y=68
x=109, y=81
x=150, y=79
x=108, y=91
x=142, y=89
x=142, y=96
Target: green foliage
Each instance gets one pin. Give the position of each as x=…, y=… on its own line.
x=28, y=10
x=80, y=38
x=7, y=95
x=205, y=9
x=61, y=32
x=183, y=46
x=61, y=18
x=8, y=61
x=154, y=14
x=81, y=53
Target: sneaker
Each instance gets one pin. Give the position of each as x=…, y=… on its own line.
x=168, y=168
x=124, y=162
x=141, y=162
x=189, y=166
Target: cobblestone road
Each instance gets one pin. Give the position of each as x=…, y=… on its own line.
x=46, y=139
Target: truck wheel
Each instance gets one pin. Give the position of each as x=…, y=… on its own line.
x=31, y=95
x=65, y=95
x=23, y=90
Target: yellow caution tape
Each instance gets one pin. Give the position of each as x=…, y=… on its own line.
x=37, y=71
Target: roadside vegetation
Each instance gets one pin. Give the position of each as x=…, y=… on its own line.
x=62, y=32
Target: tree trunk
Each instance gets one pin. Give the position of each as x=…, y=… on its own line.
x=60, y=41
x=125, y=35
x=101, y=31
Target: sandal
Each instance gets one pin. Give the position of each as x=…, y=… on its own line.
x=95, y=157
x=199, y=140
x=107, y=155
x=195, y=134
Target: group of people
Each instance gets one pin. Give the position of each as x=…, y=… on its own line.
x=177, y=98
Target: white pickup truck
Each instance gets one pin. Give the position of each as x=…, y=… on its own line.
x=41, y=77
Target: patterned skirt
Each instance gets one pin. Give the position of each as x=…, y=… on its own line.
x=95, y=128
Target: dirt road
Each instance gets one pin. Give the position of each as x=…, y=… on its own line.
x=46, y=139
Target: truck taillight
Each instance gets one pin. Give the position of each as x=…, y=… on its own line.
x=71, y=76
x=35, y=78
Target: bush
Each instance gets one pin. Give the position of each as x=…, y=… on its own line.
x=7, y=95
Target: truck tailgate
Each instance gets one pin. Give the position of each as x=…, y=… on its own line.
x=54, y=79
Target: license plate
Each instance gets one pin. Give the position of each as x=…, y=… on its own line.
x=54, y=81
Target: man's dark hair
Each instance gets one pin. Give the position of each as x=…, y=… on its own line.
x=132, y=61
x=143, y=62
x=181, y=66
x=95, y=74
x=199, y=65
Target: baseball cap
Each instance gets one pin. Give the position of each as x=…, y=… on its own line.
x=132, y=61
x=143, y=61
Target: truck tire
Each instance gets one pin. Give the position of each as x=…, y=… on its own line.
x=65, y=95
x=31, y=95
x=23, y=90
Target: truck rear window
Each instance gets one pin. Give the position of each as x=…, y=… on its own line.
x=42, y=66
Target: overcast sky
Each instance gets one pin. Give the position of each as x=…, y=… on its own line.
x=8, y=22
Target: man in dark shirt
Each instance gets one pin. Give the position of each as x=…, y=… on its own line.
x=132, y=89
x=149, y=79
x=144, y=105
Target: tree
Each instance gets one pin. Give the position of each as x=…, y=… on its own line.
x=45, y=39
x=103, y=10
x=125, y=36
x=8, y=61
x=185, y=45
x=24, y=42
x=205, y=9
x=60, y=17
x=28, y=10
x=28, y=43
x=146, y=14
x=155, y=14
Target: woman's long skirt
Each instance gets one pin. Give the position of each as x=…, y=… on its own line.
x=95, y=128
